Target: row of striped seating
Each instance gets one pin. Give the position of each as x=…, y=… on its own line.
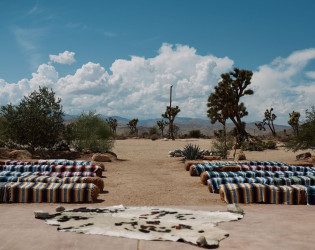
x=23, y=192
x=215, y=183
x=258, y=173
x=262, y=193
x=197, y=169
x=52, y=168
x=49, y=162
x=47, y=173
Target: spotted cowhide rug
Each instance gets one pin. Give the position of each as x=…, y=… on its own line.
x=146, y=223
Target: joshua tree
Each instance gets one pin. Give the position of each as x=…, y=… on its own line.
x=132, y=125
x=170, y=114
x=269, y=118
x=218, y=112
x=306, y=136
x=294, y=121
x=228, y=93
x=112, y=122
x=161, y=124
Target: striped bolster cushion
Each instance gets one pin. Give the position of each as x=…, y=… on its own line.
x=71, y=168
x=261, y=193
x=65, y=174
x=46, y=179
x=69, y=162
x=310, y=195
x=53, y=192
x=197, y=169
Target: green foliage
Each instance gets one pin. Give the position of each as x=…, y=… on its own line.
x=294, y=121
x=161, y=124
x=222, y=145
x=253, y=146
x=195, y=133
x=170, y=114
x=224, y=103
x=154, y=137
x=3, y=134
x=305, y=139
x=90, y=131
x=270, y=145
x=192, y=152
x=36, y=122
x=268, y=120
x=153, y=131
x=132, y=125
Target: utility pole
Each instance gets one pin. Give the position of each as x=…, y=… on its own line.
x=170, y=125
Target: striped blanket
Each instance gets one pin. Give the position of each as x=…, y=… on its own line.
x=261, y=193
x=46, y=179
x=299, y=180
x=49, y=162
x=52, y=168
x=65, y=174
x=215, y=183
x=310, y=195
x=4, y=192
x=197, y=169
x=14, y=173
x=53, y=192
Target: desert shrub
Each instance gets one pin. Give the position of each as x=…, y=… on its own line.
x=145, y=134
x=153, y=131
x=270, y=145
x=36, y=122
x=154, y=137
x=90, y=131
x=192, y=152
x=195, y=133
x=253, y=146
x=219, y=148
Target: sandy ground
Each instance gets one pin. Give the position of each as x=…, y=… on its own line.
x=144, y=175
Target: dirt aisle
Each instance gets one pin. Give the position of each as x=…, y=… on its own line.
x=145, y=175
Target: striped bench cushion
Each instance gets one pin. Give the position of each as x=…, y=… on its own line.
x=65, y=174
x=53, y=192
x=261, y=193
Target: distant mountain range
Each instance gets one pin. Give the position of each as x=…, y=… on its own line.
x=185, y=124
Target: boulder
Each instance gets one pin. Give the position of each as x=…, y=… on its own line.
x=20, y=155
x=212, y=157
x=100, y=164
x=201, y=241
x=241, y=157
x=234, y=208
x=312, y=159
x=60, y=209
x=4, y=153
x=41, y=215
x=303, y=156
x=103, y=157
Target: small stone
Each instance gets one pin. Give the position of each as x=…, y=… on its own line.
x=60, y=209
x=234, y=208
x=177, y=154
x=165, y=139
x=171, y=153
x=241, y=157
x=201, y=241
x=177, y=151
x=41, y=215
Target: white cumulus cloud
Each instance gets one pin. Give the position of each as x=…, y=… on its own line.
x=281, y=85
x=139, y=87
x=63, y=58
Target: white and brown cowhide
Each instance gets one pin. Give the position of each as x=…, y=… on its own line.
x=146, y=223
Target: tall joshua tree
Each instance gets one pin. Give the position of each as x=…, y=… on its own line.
x=132, y=125
x=228, y=94
x=112, y=122
x=294, y=121
x=268, y=120
x=161, y=124
x=170, y=114
x=218, y=112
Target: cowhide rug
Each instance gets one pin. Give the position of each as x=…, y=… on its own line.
x=146, y=223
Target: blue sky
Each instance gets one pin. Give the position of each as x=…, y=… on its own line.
x=83, y=49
